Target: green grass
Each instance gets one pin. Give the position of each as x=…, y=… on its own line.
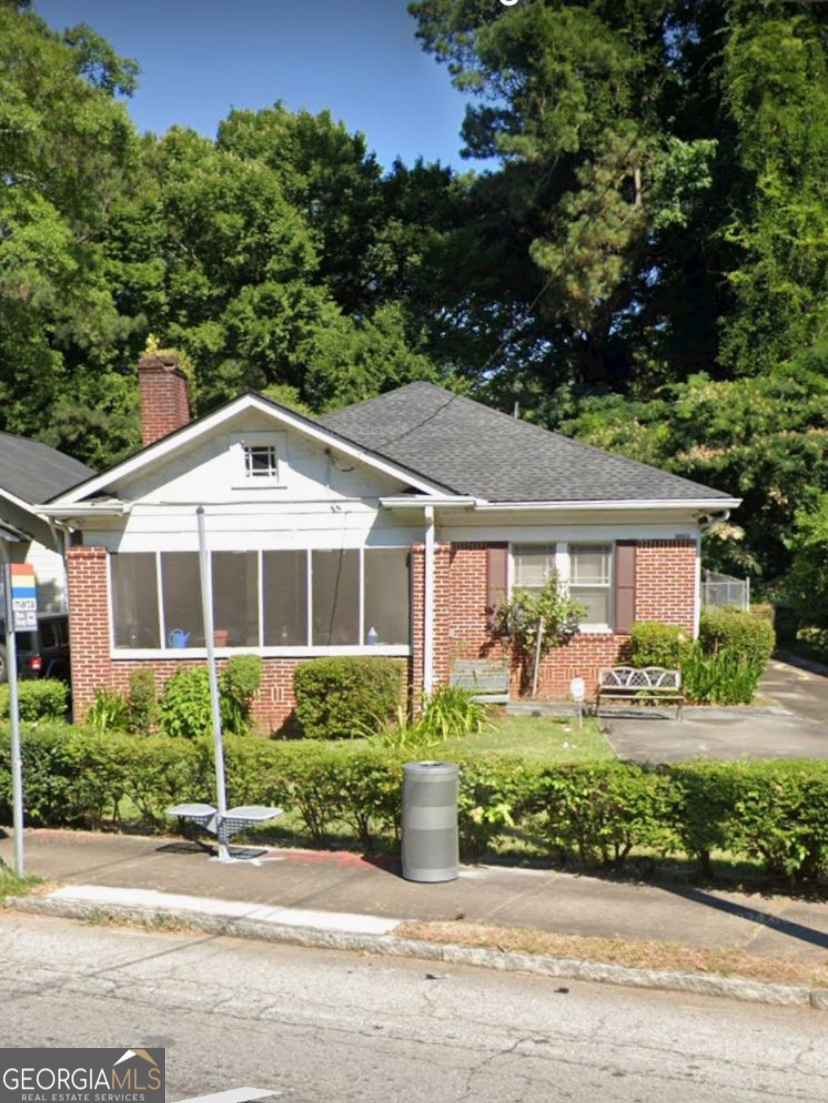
x=537, y=739
x=12, y=885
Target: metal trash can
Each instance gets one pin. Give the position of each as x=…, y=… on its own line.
x=430, y=848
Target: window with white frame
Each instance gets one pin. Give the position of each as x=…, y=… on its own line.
x=590, y=581
x=257, y=460
x=269, y=599
x=586, y=569
x=261, y=461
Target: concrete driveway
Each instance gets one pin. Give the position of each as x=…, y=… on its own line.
x=797, y=728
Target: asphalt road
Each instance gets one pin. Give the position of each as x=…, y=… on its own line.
x=327, y=1026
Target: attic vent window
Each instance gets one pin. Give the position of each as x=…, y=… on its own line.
x=261, y=461
x=258, y=461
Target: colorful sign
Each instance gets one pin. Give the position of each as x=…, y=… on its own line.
x=24, y=597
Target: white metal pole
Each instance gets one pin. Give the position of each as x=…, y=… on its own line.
x=215, y=704
x=428, y=604
x=14, y=721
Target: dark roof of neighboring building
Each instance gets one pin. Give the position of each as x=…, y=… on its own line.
x=481, y=452
x=35, y=472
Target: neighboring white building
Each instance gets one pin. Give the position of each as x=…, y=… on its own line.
x=32, y=472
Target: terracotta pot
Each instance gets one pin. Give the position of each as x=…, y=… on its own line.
x=220, y=636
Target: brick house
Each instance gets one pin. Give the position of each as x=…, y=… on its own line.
x=391, y=527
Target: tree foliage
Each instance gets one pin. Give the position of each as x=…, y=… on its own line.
x=646, y=267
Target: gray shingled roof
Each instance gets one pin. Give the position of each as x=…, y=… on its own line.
x=481, y=452
x=34, y=471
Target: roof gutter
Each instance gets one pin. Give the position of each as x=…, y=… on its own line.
x=629, y=504
x=419, y=501
x=86, y=509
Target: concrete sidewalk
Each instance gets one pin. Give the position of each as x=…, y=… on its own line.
x=345, y=891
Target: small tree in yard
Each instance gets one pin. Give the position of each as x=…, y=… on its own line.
x=537, y=622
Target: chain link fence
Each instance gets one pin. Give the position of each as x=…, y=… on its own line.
x=721, y=589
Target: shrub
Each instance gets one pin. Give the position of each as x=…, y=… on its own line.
x=749, y=637
x=44, y=699
x=656, y=644
x=109, y=712
x=721, y=678
x=141, y=701
x=184, y=708
x=601, y=812
x=450, y=713
x=240, y=681
x=535, y=623
x=815, y=640
x=339, y=698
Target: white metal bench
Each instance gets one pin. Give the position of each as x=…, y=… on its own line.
x=488, y=681
x=639, y=685
x=231, y=823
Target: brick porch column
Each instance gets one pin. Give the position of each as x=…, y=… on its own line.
x=88, y=625
x=442, y=617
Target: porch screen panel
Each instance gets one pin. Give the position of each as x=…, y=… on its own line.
x=181, y=593
x=387, y=595
x=134, y=600
x=285, y=598
x=335, y=586
x=236, y=599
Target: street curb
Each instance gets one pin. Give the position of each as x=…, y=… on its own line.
x=704, y=984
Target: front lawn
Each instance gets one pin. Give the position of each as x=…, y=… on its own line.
x=537, y=739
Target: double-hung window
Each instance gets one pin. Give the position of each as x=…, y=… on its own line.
x=590, y=582
x=532, y=566
x=585, y=569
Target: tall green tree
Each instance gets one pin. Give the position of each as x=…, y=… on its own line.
x=66, y=149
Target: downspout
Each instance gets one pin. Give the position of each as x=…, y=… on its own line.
x=428, y=603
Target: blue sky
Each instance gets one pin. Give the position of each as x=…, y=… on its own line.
x=359, y=58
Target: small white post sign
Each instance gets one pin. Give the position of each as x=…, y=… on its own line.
x=577, y=691
x=20, y=610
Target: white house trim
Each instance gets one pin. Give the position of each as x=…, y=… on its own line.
x=187, y=436
x=428, y=603
x=697, y=590
x=299, y=651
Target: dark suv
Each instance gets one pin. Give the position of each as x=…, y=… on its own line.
x=40, y=654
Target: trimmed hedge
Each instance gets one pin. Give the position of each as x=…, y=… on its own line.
x=772, y=812
x=340, y=698
x=750, y=637
x=655, y=644
x=723, y=667
x=41, y=699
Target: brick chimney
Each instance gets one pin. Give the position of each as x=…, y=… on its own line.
x=165, y=403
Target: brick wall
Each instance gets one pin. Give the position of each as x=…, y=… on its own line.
x=665, y=591
x=665, y=581
x=665, y=588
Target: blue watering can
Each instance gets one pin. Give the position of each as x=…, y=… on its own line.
x=178, y=637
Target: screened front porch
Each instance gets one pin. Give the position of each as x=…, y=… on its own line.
x=285, y=602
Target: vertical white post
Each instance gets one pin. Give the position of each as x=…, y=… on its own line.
x=14, y=719
x=428, y=603
x=215, y=704
x=697, y=589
